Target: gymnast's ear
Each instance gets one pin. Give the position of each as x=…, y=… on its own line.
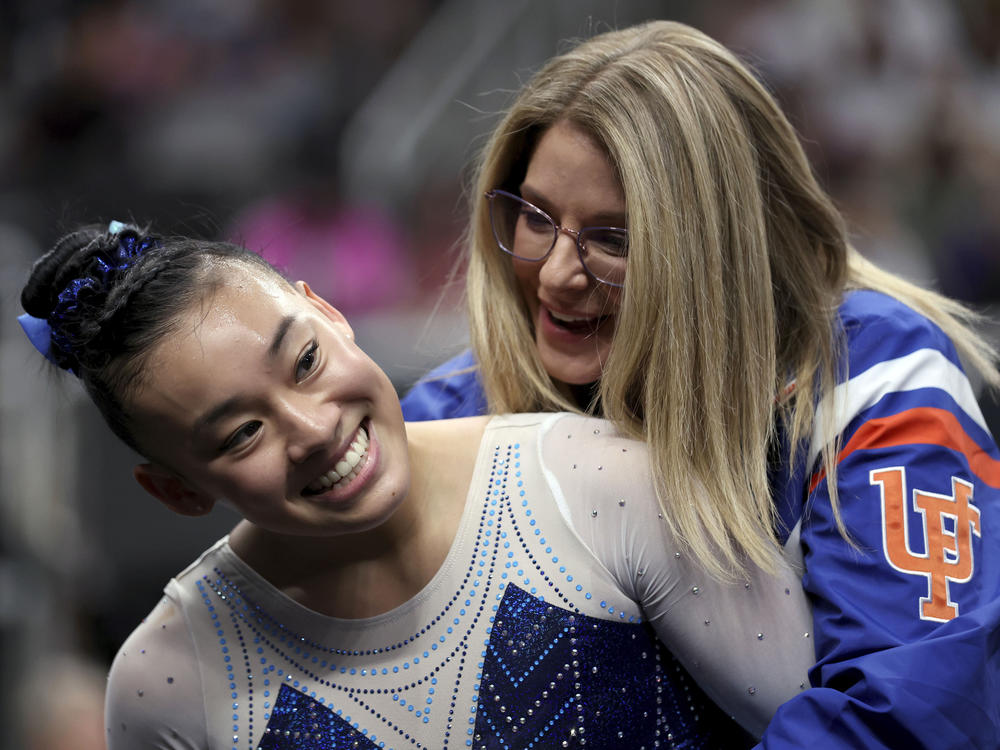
x=172, y=491
x=331, y=312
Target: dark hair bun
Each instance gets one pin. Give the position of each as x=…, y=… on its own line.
x=87, y=263
x=54, y=270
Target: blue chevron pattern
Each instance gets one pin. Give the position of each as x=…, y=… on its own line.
x=555, y=678
x=302, y=723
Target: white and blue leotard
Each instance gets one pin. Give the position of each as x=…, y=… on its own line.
x=543, y=628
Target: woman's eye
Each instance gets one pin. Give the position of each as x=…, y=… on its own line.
x=611, y=242
x=536, y=222
x=244, y=433
x=306, y=362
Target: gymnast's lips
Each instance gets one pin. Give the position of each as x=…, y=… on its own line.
x=353, y=463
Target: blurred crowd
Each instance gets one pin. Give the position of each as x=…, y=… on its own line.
x=899, y=102
x=225, y=117
x=211, y=117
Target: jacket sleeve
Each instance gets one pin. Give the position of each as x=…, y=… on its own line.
x=450, y=390
x=906, y=617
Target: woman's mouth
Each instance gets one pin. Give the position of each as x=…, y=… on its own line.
x=576, y=324
x=346, y=469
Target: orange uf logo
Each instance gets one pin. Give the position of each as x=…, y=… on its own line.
x=947, y=553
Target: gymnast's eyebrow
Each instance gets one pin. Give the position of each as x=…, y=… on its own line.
x=279, y=335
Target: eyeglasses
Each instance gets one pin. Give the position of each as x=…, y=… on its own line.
x=528, y=233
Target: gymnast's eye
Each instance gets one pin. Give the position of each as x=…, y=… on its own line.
x=307, y=362
x=242, y=435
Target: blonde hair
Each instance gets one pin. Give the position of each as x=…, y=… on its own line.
x=738, y=261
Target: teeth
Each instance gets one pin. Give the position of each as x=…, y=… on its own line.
x=567, y=318
x=346, y=468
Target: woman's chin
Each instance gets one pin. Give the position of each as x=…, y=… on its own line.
x=572, y=368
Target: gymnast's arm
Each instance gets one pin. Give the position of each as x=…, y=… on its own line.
x=746, y=643
x=154, y=697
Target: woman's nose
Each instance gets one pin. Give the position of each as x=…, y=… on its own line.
x=563, y=268
x=310, y=425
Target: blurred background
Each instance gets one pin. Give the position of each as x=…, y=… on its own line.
x=336, y=137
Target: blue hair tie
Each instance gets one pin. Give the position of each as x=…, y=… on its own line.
x=42, y=334
x=39, y=334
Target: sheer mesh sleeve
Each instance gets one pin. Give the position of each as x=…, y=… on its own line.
x=747, y=643
x=154, y=695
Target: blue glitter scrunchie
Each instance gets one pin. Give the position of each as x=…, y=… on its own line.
x=39, y=331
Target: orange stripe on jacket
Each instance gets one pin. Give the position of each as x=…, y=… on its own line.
x=921, y=425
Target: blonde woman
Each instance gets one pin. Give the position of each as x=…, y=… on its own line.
x=648, y=242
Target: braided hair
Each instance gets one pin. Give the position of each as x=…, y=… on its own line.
x=109, y=296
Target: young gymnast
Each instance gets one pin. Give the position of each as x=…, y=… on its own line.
x=479, y=582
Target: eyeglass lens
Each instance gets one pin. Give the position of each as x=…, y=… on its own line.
x=526, y=232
